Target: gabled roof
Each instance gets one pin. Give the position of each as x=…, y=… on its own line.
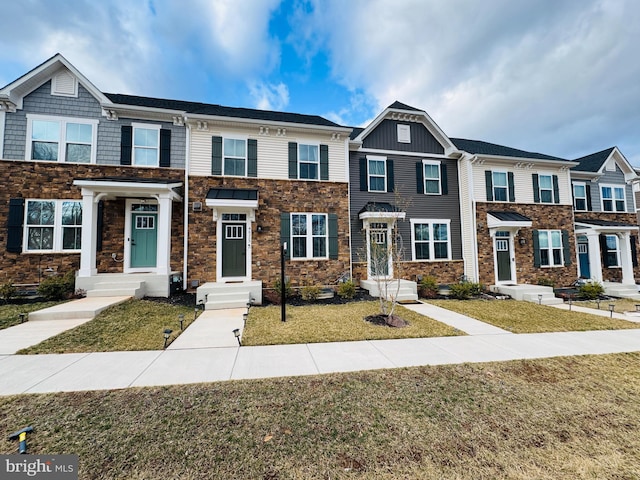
x=596, y=163
x=478, y=147
x=403, y=106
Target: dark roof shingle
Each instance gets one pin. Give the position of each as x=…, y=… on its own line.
x=479, y=147
x=592, y=162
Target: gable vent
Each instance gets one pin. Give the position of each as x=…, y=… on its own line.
x=64, y=84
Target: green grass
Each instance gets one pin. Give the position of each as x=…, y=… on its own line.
x=527, y=317
x=10, y=313
x=561, y=418
x=334, y=323
x=132, y=325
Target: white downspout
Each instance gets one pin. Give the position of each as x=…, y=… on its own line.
x=186, y=205
x=348, y=174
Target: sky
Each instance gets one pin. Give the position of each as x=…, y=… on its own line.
x=560, y=77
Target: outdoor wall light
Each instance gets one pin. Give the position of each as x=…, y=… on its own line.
x=522, y=241
x=259, y=229
x=612, y=306
x=236, y=333
x=24, y=317
x=181, y=320
x=539, y=299
x=167, y=333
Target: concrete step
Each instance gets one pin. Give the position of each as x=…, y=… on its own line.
x=621, y=291
x=546, y=299
x=406, y=291
x=117, y=289
x=217, y=296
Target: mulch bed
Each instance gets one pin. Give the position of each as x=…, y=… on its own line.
x=387, y=320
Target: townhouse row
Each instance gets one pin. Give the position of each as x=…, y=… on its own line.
x=153, y=195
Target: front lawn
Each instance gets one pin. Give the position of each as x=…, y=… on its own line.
x=10, y=313
x=132, y=325
x=334, y=323
x=527, y=317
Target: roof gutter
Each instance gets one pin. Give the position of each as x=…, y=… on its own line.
x=254, y=121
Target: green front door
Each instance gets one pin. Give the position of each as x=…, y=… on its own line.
x=503, y=258
x=144, y=239
x=234, y=250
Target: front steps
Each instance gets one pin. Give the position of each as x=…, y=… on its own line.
x=218, y=296
x=621, y=291
x=406, y=292
x=528, y=293
x=118, y=289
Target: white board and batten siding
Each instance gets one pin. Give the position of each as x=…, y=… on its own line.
x=273, y=151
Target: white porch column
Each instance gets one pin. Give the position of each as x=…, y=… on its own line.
x=164, y=234
x=89, y=234
x=625, y=259
x=595, y=261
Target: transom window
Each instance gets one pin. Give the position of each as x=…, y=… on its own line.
x=431, y=177
x=308, y=161
x=613, y=198
x=377, y=175
x=234, y=217
x=580, y=196
x=613, y=251
x=545, y=186
x=500, y=186
x=309, y=235
x=235, y=157
x=550, y=245
x=61, y=139
x=146, y=145
x=53, y=225
x=431, y=240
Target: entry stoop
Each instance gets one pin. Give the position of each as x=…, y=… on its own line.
x=407, y=292
x=528, y=293
x=218, y=296
x=117, y=289
x=621, y=290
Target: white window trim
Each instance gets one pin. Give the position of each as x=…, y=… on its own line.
x=309, y=236
x=145, y=126
x=540, y=189
x=379, y=159
x=430, y=222
x=493, y=185
x=404, y=133
x=617, y=250
x=424, y=177
x=246, y=155
x=550, y=248
x=573, y=191
x=613, y=187
x=312, y=144
x=57, y=226
x=62, y=142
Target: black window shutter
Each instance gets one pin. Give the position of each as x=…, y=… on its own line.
x=293, y=160
x=285, y=233
x=556, y=189
x=634, y=250
x=364, y=174
x=419, y=177
x=512, y=188
x=390, y=177
x=566, y=251
x=588, y=193
x=126, y=142
x=333, y=236
x=165, y=147
x=15, y=224
x=216, y=155
x=443, y=179
x=605, y=250
x=488, y=180
x=536, y=188
x=324, y=162
x=99, y=225
x=252, y=157
x=536, y=248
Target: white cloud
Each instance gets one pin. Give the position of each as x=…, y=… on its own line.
x=268, y=96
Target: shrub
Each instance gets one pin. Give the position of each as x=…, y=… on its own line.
x=57, y=287
x=310, y=293
x=288, y=291
x=590, y=290
x=347, y=289
x=546, y=282
x=465, y=290
x=7, y=291
x=429, y=287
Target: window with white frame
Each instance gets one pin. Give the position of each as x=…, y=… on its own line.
x=377, y=171
x=432, y=184
x=308, y=161
x=53, y=225
x=613, y=251
x=430, y=239
x=146, y=145
x=500, y=186
x=309, y=235
x=579, y=196
x=234, y=157
x=613, y=198
x=550, y=245
x=545, y=188
x=61, y=139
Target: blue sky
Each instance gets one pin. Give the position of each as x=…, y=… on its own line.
x=553, y=76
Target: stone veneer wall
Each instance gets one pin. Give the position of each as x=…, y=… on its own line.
x=47, y=180
x=275, y=196
x=613, y=274
x=543, y=217
x=445, y=272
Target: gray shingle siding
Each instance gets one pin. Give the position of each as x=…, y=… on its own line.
x=385, y=137
x=611, y=178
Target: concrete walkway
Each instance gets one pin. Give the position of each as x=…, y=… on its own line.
x=465, y=324
x=212, y=328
